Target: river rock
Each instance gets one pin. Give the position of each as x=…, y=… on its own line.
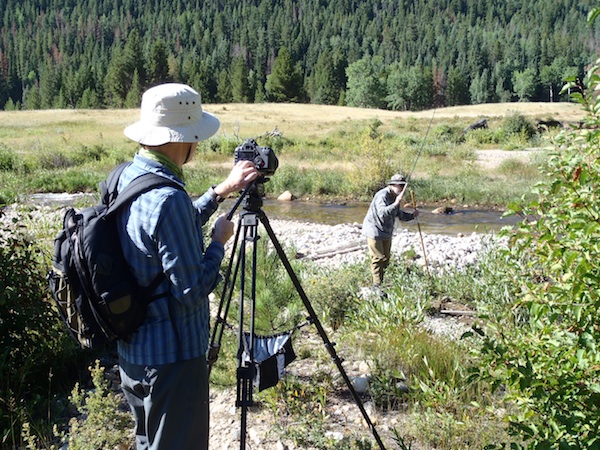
x=340, y=244
x=443, y=210
x=287, y=196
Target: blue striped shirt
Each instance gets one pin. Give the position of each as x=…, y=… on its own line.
x=163, y=233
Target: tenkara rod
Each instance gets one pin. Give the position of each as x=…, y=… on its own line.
x=412, y=197
x=411, y=192
x=422, y=145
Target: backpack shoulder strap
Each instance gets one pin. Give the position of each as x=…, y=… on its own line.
x=139, y=185
x=108, y=187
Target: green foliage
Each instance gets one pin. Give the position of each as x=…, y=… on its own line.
x=278, y=307
x=376, y=164
x=366, y=86
x=103, y=424
x=448, y=133
x=485, y=136
x=8, y=159
x=334, y=293
x=36, y=354
x=545, y=352
x=469, y=187
x=517, y=124
x=409, y=88
x=423, y=374
x=525, y=83
x=104, y=53
x=300, y=407
x=284, y=84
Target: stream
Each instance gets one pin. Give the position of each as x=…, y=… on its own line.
x=459, y=221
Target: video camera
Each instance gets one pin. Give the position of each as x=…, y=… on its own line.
x=264, y=158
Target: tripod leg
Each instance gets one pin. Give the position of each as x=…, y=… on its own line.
x=328, y=345
x=220, y=322
x=246, y=369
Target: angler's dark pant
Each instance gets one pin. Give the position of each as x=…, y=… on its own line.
x=169, y=403
x=380, y=251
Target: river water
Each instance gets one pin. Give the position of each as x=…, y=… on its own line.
x=460, y=221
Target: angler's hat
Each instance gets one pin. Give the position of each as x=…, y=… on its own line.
x=172, y=112
x=397, y=179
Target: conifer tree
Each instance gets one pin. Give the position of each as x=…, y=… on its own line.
x=240, y=84
x=284, y=84
x=325, y=86
x=457, y=88
x=158, y=64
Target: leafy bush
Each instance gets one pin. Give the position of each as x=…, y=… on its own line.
x=35, y=350
x=485, y=136
x=375, y=167
x=103, y=424
x=8, y=159
x=519, y=125
x=449, y=133
x=55, y=160
x=334, y=292
x=545, y=353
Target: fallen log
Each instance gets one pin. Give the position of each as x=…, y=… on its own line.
x=334, y=253
x=452, y=312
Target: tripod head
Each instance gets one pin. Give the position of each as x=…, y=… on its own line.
x=251, y=197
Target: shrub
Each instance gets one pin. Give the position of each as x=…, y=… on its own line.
x=375, y=167
x=485, y=136
x=8, y=159
x=449, y=133
x=545, y=352
x=103, y=424
x=519, y=125
x=34, y=348
x=334, y=292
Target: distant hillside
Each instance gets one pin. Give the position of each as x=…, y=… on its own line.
x=387, y=54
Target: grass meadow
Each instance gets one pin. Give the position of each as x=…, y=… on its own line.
x=324, y=151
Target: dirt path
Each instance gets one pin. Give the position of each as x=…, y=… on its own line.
x=493, y=158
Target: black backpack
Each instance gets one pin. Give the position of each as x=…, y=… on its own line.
x=98, y=298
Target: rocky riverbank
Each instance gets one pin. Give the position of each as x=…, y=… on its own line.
x=328, y=245
x=345, y=244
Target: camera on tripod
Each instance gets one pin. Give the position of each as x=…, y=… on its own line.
x=264, y=158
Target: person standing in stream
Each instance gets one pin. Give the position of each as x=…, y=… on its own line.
x=378, y=226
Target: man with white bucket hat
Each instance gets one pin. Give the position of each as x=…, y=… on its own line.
x=163, y=366
x=378, y=226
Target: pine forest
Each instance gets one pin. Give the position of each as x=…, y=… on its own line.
x=391, y=54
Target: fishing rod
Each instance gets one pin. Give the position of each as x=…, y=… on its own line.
x=422, y=145
x=412, y=194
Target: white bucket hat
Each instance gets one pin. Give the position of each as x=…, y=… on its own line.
x=172, y=112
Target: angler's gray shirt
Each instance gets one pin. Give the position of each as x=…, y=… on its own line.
x=379, y=221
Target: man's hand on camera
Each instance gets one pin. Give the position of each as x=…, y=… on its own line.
x=222, y=230
x=239, y=177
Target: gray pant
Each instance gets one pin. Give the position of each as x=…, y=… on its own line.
x=169, y=403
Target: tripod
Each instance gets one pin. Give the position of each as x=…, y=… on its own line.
x=250, y=218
